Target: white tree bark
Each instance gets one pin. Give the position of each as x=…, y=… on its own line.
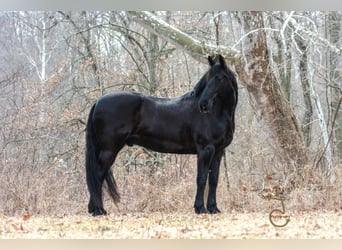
x=197, y=49
x=35, y=30
x=324, y=130
x=314, y=35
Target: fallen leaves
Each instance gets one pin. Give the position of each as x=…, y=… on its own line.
x=308, y=225
x=26, y=216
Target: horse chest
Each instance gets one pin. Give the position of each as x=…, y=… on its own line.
x=216, y=131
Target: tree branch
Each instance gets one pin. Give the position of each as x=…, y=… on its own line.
x=194, y=47
x=299, y=28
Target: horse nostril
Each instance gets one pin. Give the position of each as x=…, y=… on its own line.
x=204, y=107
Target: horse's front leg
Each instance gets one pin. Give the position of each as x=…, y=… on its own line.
x=204, y=159
x=213, y=180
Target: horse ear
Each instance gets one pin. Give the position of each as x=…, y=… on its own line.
x=222, y=62
x=211, y=61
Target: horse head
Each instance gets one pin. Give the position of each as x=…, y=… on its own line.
x=220, y=84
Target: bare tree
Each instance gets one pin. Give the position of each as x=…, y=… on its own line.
x=37, y=42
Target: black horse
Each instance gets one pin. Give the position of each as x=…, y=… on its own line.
x=199, y=122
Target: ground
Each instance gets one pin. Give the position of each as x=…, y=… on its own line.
x=234, y=225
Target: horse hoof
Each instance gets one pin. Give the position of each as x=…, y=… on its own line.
x=201, y=210
x=214, y=211
x=99, y=211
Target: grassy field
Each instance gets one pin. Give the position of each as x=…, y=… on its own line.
x=234, y=225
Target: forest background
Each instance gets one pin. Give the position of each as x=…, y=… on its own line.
x=288, y=140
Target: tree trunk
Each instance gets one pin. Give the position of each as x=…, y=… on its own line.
x=335, y=20
x=151, y=62
x=265, y=92
x=303, y=71
x=283, y=59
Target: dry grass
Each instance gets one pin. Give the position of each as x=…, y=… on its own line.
x=311, y=225
x=168, y=187
x=157, y=195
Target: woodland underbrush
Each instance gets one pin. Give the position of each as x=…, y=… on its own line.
x=151, y=182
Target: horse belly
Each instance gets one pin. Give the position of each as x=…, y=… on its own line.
x=162, y=145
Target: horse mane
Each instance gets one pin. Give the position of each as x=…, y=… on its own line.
x=198, y=89
x=232, y=77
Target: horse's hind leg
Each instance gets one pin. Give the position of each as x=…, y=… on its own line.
x=105, y=160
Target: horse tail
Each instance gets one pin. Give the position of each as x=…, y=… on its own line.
x=93, y=167
x=91, y=158
x=112, y=187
